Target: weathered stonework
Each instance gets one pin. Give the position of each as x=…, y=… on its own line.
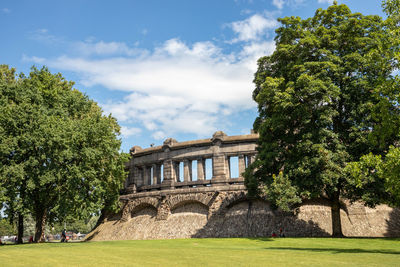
x=163, y=200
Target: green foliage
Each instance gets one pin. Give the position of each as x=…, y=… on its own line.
x=391, y=7
x=326, y=97
x=382, y=170
x=7, y=228
x=282, y=193
x=375, y=179
x=59, y=155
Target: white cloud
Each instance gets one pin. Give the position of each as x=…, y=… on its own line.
x=129, y=131
x=325, y=2
x=159, y=135
x=252, y=28
x=176, y=87
x=43, y=36
x=278, y=3
x=38, y=60
x=5, y=10
x=104, y=49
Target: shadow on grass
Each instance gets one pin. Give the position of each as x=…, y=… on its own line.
x=260, y=239
x=340, y=250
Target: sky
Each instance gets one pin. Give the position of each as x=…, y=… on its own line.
x=165, y=68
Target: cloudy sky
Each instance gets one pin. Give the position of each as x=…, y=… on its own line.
x=163, y=68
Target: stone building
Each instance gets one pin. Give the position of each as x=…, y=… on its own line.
x=195, y=189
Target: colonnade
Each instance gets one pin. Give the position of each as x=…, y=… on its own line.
x=192, y=163
x=170, y=170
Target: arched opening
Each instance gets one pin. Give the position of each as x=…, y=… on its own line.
x=190, y=207
x=144, y=209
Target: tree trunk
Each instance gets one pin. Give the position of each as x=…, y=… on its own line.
x=40, y=226
x=20, y=228
x=335, y=211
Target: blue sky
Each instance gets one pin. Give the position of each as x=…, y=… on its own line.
x=179, y=69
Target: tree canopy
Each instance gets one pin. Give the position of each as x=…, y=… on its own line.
x=318, y=97
x=59, y=155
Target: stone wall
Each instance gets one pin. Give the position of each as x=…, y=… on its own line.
x=159, y=202
x=228, y=213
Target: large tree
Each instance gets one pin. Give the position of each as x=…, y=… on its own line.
x=59, y=155
x=316, y=96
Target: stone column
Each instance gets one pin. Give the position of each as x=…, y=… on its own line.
x=252, y=158
x=169, y=176
x=156, y=173
x=135, y=174
x=219, y=167
x=139, y=176
x=177, y=171
x=228, y=167
x=187, y=170
x=242, y=164
x=200, y=169
x=146, y=175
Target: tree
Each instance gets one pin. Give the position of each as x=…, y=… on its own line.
x=383, y=168
x=316, y=97
x=59, y=155
x=12, y=183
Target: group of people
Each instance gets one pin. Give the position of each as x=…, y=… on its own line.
x=281, y=233
x=63, y=238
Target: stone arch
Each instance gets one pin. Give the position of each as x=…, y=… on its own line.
x=138, y=209
x=232, y=199
x=202, y=206
x=145, y=201
x=181, y=199
x=131, y=205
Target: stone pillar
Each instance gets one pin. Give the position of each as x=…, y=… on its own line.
x=200, y=169
x=228, y=167
x=177, y=171
x=139, y=176
x=156, y=174
x=219, y=167
x=169, y=175
x=242, y=164
x=252, y=158
x=135, y=174
x=146, y=175
x=187, y=170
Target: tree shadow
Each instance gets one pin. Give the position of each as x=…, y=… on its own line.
x=340, y=250
x=261, y=239
x=393, y=224
x=255, y=219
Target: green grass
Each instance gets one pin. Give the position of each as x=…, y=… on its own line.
x=208, y=252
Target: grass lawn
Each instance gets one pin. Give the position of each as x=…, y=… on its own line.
x=208, y=252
